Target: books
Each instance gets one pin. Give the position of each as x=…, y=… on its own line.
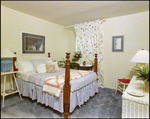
x=9, y=90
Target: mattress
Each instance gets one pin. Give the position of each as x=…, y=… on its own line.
x=39, y=79
x=24, y=75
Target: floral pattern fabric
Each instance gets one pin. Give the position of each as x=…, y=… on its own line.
x=50, y=68
x=89, y=39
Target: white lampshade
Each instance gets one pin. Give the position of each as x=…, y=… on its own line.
x=6, y=52
x=142, y=56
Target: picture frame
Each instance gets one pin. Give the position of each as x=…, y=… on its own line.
x=32, y=43
x=117, y=43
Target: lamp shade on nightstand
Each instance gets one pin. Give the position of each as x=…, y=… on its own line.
x=142, y=56
x=7, y=53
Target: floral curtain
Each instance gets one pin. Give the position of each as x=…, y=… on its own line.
x=89, y=41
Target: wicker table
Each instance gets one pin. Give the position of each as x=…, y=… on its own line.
x=134, y=106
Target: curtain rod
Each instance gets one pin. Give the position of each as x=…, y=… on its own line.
x=73, y=25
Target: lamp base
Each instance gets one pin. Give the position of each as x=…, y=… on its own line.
x=141, y=65
x=147, y=86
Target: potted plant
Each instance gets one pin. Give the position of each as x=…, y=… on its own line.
x=76, y=58
x=143, y=74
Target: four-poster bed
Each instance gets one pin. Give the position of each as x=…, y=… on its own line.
x=69, y=90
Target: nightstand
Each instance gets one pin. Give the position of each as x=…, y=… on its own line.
x=11, y=91
x=85, y=67
x=135, y=100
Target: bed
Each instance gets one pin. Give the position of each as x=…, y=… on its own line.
x=68, y=91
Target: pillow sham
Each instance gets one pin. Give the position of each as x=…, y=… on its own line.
x=41, y=68
x=55, y=63
x=17, y=61
x=40, y=61
x=50, y=68
x=20, y=59
x=24, y=66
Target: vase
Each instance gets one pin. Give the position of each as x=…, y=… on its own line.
x=147, y=86
x=84, y=63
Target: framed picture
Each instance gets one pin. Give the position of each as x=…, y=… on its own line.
x=32, y=44
x=117, y=43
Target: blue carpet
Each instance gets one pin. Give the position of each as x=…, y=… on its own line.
x=106, y=104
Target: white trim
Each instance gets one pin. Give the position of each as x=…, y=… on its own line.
x=69, y=26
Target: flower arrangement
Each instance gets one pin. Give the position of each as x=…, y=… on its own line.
x=76, y=56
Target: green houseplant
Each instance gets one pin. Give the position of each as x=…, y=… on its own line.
x=76, y=57
x=143, y=74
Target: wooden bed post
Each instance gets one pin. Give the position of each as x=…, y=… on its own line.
x=95, y=65
x=14, y=68
x=14, y=59
x=67, y=88
x=49, y=54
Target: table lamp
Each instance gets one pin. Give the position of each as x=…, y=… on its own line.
x=141, y=58
x=6, y=64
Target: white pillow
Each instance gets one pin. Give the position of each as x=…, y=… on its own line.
x=41, y=68
x=55, y=63
x=25, y=66
x=36, y=62
x=19, y=59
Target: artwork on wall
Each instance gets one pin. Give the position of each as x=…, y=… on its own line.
x=32, y=44
x=117, y=43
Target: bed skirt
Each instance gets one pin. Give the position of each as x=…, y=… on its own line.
x=77, y=98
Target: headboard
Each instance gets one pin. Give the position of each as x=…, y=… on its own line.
x=15, y=58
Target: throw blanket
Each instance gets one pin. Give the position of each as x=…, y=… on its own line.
x=53, y=85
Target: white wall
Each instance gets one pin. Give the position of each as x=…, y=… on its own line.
x=135, y=29
x=58, y=40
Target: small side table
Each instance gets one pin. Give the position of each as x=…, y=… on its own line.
x=135, y=106
x=4, y=93
x=85, y=67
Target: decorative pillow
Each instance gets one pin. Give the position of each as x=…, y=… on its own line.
x=55, y=63
x=51, y=68
x=41, y=68
x=25, y=66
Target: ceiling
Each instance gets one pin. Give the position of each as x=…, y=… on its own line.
x=68, y=13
